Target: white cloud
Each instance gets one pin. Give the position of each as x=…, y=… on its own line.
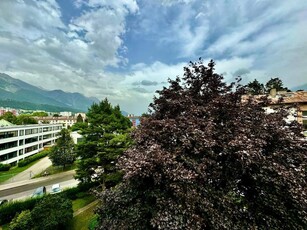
x=265, y=38
x=39, y=48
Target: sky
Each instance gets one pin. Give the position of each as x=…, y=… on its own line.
x=125, y=50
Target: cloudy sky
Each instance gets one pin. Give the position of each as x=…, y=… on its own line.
x=126, y=49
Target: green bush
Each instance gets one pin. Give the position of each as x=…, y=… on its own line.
x=8, y=211
x=22, y=221
x=33, y=158
x=5, y=167
x=71, y=193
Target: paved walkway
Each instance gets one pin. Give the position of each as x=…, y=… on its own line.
x=94, y=203
x=29, y=173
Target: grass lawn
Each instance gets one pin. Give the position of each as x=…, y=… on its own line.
x=81, y=202
x=81, y=221
x=57, y=169
x=14, y=170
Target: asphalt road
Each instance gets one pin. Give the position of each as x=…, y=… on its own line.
x=23, y=189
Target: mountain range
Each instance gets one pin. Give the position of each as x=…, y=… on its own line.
x=16, y=91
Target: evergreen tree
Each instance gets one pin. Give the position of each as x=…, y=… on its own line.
x=206, y=159
x=255, y=88
x=63, y=153
x=79, y=118
x=275, y=83
x=105, y=139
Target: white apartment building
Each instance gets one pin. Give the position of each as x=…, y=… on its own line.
x=66, y=122
x=21, y=141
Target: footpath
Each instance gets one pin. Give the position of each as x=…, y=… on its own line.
x=94, y=203
x=29, y=173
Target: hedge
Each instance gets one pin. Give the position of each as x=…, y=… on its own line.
x=5, y=167
x=9, y=210
x=33, y=158
x=76, y=192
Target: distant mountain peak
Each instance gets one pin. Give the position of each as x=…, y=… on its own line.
x=17, y=90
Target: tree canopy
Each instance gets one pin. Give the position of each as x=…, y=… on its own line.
x=275, y=83
x=255, y=88
x=52, y=212
x=206, y=159
x=63, y=153
x=22, y=119
x=105, y=139
x=40, y=114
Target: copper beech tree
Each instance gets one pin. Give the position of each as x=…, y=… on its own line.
x=206, y=159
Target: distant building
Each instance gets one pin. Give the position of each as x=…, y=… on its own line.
x=4, y=110
x=66, y=122
x=18, y=142
x=4, y=123
x=76, y=137
x=296, y=100
x=136, y=120
x=65, y=114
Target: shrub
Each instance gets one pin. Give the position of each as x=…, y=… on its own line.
x=8, y=211
x=5, y=167
x=33, y=158
x=52, y=212
x=22, y=221
x=71, y=193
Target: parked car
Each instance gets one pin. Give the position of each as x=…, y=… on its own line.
x=39, y=192
x=56, y=188
x=2, y=202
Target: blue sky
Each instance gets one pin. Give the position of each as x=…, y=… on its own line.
x=125, y=50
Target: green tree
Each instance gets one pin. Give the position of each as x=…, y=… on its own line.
x=52, y=212
x=275, y=83
x=40, y=114
x=105, y=139
x=25, y=119
x=79, y=118
x=22, y=221
x=63, y=153
x=78, y=126
x=9, y=116
x=206, y=159
x=255, y=88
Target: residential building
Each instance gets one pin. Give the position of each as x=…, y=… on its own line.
x=77, y=137
x=66, y=114
x=66, y=122
x=296, y=99
x=4, y=110
x=297, y=102
x=18, y=142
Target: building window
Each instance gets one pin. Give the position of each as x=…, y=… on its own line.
x=9, y=134
x=8, y=145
